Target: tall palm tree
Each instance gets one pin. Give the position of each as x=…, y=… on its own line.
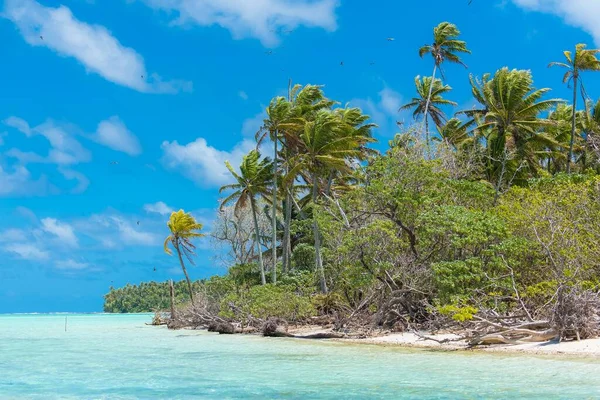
x=428, y=102
x=510, y=119
x=278, y=114
x=583, y=60
x=327, y=144
x=445, y=47
x=184, y=228
x=254, y=180
x=305, y=102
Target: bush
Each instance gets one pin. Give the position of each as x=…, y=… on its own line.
x=268, y=301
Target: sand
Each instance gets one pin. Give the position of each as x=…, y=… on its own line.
x=589, y=347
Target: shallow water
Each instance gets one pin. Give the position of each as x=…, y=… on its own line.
x=119, y=357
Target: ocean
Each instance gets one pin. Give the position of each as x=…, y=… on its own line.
x=102, y=356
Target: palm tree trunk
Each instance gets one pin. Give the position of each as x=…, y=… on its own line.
x=427, y=103
x=274, y=214
x=287, y=238
x=317, y=235
x=258, y=249
x=187, y=278
x=572, y=123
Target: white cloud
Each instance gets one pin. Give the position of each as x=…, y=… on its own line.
x=82, y=181
x=71, y=265
x=243, y=95
x=112, y=230
x=158, y=208
x=64, y=148
x=19, y=182
x=114, y=134
x=383, y=111
x=203, y=163
x=583, y=14
x=261, y=19
x=92, y=45
x=12, y=235
x=63, y=231
x=27, y=251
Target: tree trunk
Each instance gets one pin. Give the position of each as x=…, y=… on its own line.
x=274, y=213
x=427, y=103
x=287, y=239
x=257, y=237
x=187, y=278
x=172, y=297
x=318, y=260
x=573, y=123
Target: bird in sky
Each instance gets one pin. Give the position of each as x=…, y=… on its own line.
x=138, y=222
x=41, y=37
x=114, y=163
x=391, y=39
x=342, y=64
x=269, y=52
x=372, y=63
x=142, y=76
x=154, y=269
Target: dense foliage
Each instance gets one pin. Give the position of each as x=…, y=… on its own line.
x=495, y=216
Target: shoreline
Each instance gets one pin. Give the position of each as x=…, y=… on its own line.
x=585, y=348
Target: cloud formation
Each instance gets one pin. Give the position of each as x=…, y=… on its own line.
x=114, y=134
x=158, y=208
x=63, y=231
x=92, y=45
x=27, y=251
x=383, y=111
x=202, y=163
x=583, y=14
x=260, y=19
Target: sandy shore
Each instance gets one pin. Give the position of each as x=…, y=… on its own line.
x=588, y=348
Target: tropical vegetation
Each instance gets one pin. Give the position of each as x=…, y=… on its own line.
x=492, y=219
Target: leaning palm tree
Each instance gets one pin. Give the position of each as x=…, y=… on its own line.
x=428, y=102
x=254, y=180
x=583, y=60
x=445, y=47
x=184, y=228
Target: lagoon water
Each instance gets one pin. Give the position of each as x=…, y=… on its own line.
x=119, y=357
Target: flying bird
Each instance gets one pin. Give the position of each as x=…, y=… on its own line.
x=138, y=222
x=390, y=39
x=372, y=63
x=342, y=64
x=154, y=269
x=142, y=76
x=269, y=52
x=114, y=163
x=41, y=37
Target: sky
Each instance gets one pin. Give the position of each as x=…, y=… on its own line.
x=114, y=113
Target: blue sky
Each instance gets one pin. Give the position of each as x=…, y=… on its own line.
x=113, y=113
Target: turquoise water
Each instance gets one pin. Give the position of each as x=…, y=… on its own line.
x=119, y=357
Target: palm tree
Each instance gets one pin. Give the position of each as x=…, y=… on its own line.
x=591, y=127
x=278, y=114
x=253, y=180
x=455, y=132
x=305, y=102
x=445, y=47
x=428, y=102
x=510, y=120
x=184, y=228
x=582, y=60
x=327, y=144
